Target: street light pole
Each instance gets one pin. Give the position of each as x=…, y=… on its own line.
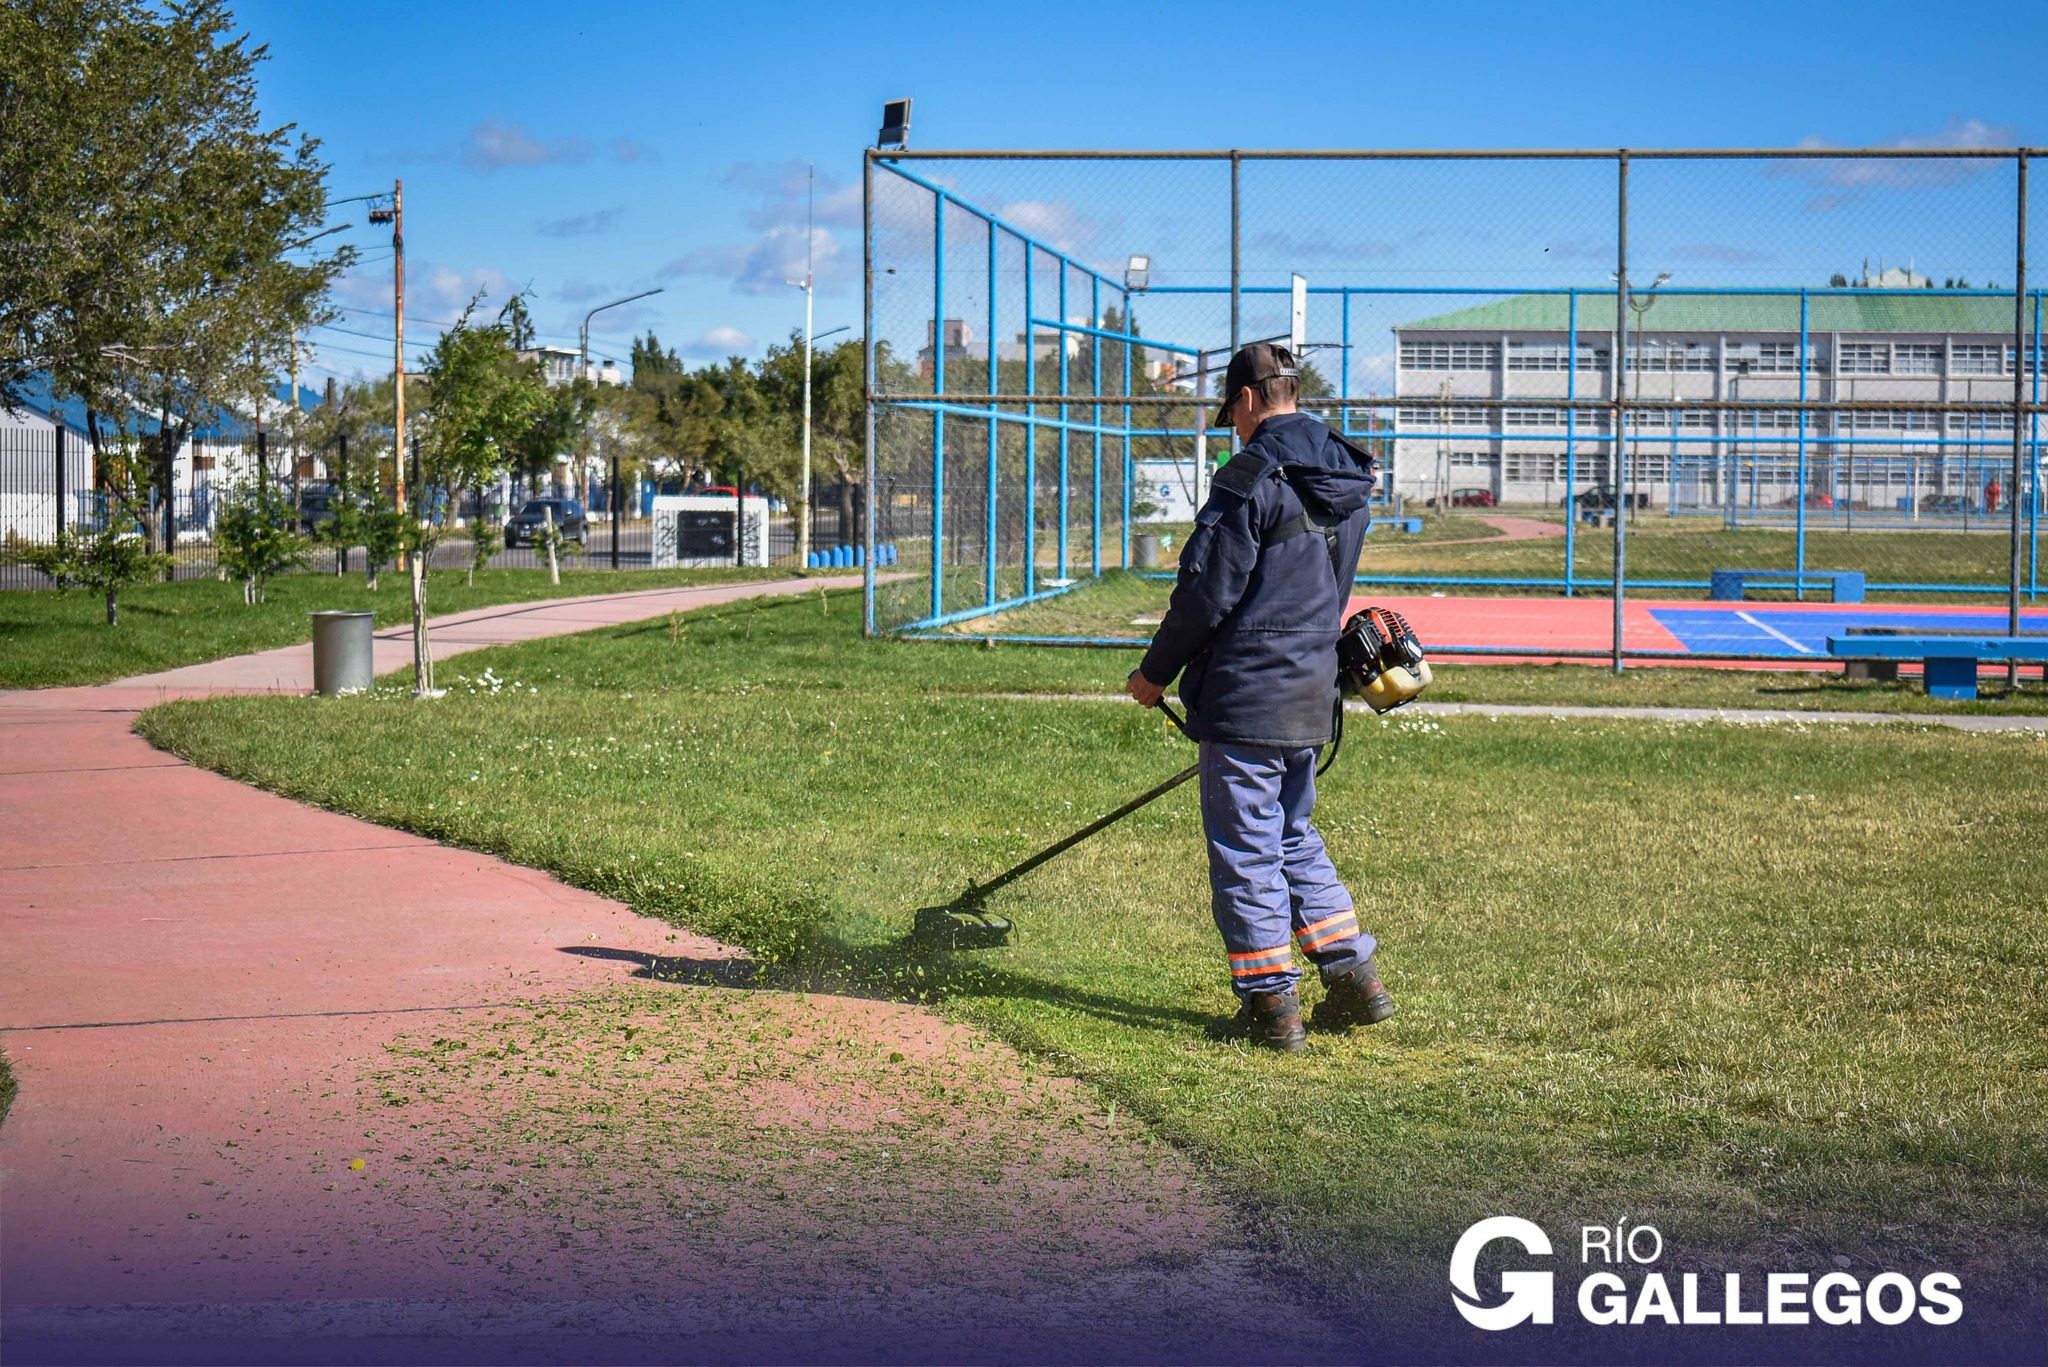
x=808, y=286
x=583, y=349
x=803, y=488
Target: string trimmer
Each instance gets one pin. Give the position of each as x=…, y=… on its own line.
x=1379, y=658
x=963, y=923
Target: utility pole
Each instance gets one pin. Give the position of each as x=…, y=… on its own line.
x=398, y=335
x=803, y=488
x=395, y=216
x=295, y=424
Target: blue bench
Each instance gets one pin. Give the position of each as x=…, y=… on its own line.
x=1950, y=661
x=1411, y=525
x=1732, y=586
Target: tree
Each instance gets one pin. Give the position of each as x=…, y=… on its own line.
x=518, y=322
x=253, y=538
x=105, y=559
x=383, y=536
x=1838, y=281
x=152, y=230
x=480, y=399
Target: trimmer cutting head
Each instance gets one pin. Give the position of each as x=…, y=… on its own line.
x=959, y=925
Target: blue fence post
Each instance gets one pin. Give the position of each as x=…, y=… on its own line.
x=2034, y=465
x=1571, y=442
x=938, y=418
x=1799, y=494
x=1066, y=480
x=1130, y=326
x=994, y=387
x=1095, y=499
x=1671, y=506
x=1030, y=431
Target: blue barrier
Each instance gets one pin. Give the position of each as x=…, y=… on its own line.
x=1410, y=525
x=850, y=557
x=1731, y=586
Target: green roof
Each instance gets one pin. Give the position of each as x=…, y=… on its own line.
x=1931, y=311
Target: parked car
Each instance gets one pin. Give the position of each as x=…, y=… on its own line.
x=1602, y=497
x=1467, y=498
x=1952, y=504
x=317, y=503
x=525, y=525
x=1813, y=500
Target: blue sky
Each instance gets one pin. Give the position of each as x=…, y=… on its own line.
x=589, y=151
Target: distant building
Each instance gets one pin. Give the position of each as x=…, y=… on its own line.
x=958, y=338
x=1932, y=348
x=220, y=451
x=1893, y=279
x=560, y=364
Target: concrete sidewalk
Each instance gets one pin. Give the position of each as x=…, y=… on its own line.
x=199, y=975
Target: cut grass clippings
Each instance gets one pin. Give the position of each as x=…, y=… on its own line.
x=48, y=639
x=1775, y=990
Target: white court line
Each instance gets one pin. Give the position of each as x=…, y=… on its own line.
x=1773, y=631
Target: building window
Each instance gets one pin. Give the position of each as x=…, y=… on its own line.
x=1916, y=358
x=1767, y=420
x=1979, y=358
x=1665, y=353
x=1470, y=460
x=1450, y=355
x=1513, y=418
x=1979, y=422
x=1551, y=356
x=1531, y=468
x=1773, y=358
x=1458, y=415
x=1895, y=420
x=1866, y=358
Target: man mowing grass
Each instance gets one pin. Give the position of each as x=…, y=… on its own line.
x=1252, y=632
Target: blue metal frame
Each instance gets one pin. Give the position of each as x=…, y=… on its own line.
x=1970, y=441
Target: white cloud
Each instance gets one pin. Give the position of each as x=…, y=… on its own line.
x=1056, y=223
x=725, y=341
x=768, y=263
x=784, y=187
x=431, y=291
x=579, y=225
x=1846, y=175
x=496, y=143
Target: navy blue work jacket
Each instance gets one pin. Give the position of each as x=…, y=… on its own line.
x=1252, y=626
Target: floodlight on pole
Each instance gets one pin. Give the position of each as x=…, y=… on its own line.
x=583, y=345
x=895, y=124
x=1138, y=274
x=808, y=286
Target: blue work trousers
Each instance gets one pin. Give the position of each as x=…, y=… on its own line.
x=1271, y=882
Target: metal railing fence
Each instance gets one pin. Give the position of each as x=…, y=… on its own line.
x=47, y=479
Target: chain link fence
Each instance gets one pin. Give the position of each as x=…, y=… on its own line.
x=1674, y=377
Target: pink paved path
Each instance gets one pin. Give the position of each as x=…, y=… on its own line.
x=193, y=968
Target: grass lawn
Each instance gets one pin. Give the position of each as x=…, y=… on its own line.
x=47, y=639
x=1775, y=990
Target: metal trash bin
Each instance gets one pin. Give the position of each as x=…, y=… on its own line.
x=1145, y=551
x=342, y=652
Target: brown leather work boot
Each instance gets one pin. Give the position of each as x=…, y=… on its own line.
x=1271, y=1020
x=1357, y=998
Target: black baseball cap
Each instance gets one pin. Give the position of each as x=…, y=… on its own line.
x=1254, y=364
